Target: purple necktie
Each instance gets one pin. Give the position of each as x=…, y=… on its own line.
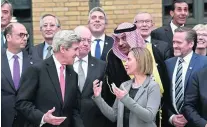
x=16, y=72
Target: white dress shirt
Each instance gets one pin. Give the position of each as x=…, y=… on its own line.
x=173, y=27
x=45, y=51
x=11, y=61
x=58, y=65
x=148, y=39
x=93, y=44
x=185, y=65
x=84, y=65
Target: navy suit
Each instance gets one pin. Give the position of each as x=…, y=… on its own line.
x=195, y=103
x=197, y=62
x=8, y=91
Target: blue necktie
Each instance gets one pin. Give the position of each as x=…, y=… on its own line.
x=98, y=49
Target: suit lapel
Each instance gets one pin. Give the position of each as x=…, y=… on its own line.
x=26, y=61
x=190, y=68
x=6, y=70
x=169, y=33
x=105, y=48
x=40, y=50
x=90, y=73
x=68, y=86
x=52, y=72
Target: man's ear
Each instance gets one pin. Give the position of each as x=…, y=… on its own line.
x=172, y=14
x=8, y=37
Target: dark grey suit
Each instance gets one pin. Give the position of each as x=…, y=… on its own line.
x=163, y=33
x=37, y=51
x=90, y=113
x=8, y=91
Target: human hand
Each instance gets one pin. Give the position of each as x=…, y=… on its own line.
x=179, y=121
x=49, y=118
x=119, y=92
x=97, y=87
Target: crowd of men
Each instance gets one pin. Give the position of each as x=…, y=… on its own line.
x=51, y=84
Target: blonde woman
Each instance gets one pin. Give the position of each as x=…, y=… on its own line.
x=137, y=100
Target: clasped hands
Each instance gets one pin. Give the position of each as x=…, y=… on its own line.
x=97, y=88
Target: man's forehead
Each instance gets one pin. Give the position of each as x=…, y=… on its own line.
x=143, y=16
x=49, y=19
x=5, y=7
x=97, y=13
x=181, y=5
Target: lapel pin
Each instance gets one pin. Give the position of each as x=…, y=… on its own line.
x=155, y=45
x=190, y=68
x=31, y=62
x=92, y=64
x=106, y=43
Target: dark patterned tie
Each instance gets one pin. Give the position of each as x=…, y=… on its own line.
x=98, y=49
x=16, y=72
x=49, y=48
x=179, y=95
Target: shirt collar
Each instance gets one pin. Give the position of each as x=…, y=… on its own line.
x=57, y=63
x=102, y=37
x=46, y=46
x=10, y=55
x=148, y=39
x=173, y=26
x=85, y=59
x=188, y=57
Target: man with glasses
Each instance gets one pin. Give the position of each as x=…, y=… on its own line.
x=14, y=62
x=88, y=69
x=159, y=50
x=49, y=25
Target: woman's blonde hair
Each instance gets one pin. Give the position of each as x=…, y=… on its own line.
x=144, y=60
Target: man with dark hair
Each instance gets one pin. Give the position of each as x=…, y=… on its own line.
x=6, y=16
x=101, y=43
x=180, y=69
x=49, y=25
x=179, y=13
x=14, y=62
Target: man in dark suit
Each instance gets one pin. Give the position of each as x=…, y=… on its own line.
x=49, y=25
x=48, y=93
x=180, y=69
x=179, y=13
x=195, y=104
x=161, y=50
x=101, y=43
x=91, y=68
x=14, y=61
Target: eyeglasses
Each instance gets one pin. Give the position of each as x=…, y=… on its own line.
x=143, y=21
x=22, y=35
x=204, y=35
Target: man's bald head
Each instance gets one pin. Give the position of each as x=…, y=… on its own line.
x=85, y=44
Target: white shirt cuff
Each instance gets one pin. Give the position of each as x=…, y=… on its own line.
x=42, y=121
x=170, y=120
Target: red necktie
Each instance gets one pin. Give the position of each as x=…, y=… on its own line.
x=62, y=81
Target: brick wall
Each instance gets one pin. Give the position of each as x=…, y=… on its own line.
x=75, y=12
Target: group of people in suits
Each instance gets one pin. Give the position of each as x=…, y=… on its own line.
x=84, y=78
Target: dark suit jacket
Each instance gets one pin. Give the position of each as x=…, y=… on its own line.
x=37, y=51
x=40, y=91
x=107, y=46
x=8, y=91
x=90, y=113
x=197, y=62
x=195, y=103
x=163, y=33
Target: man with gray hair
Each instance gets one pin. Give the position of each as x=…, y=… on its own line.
x=49, y=25
x=101, y=43
x=48, y=96
x=6, y=16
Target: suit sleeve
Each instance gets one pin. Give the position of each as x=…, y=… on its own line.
x=26, y=96
x=191, y=102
